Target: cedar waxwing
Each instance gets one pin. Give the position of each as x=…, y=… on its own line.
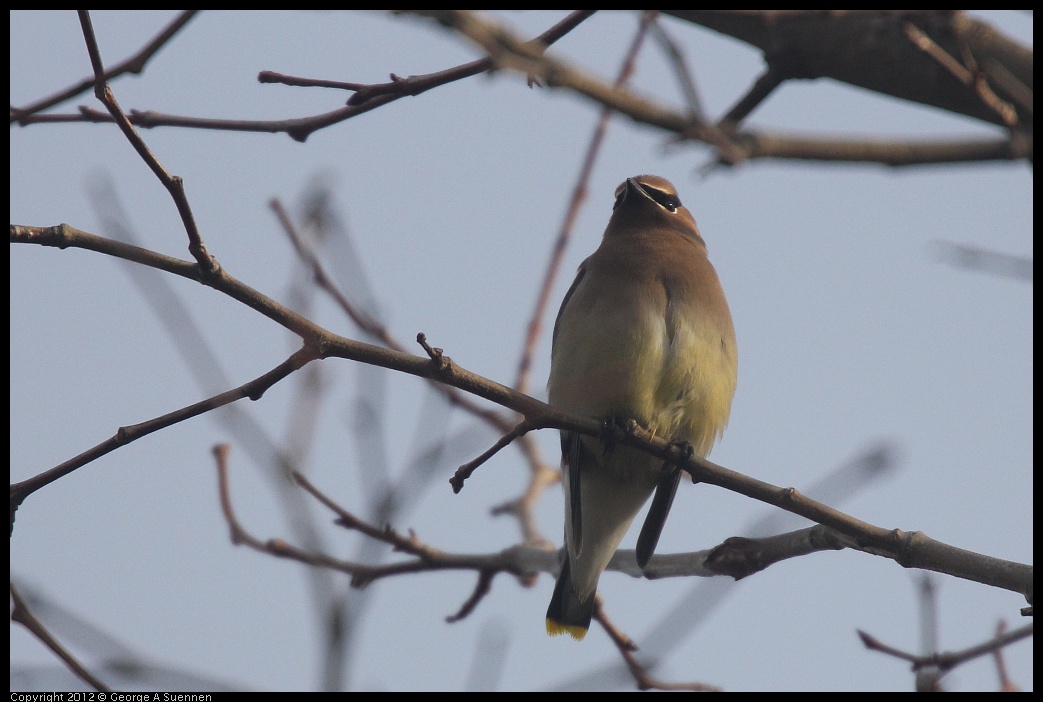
x=644, y=333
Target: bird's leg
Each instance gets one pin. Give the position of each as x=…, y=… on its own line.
x=687, y=450
x=613, y=429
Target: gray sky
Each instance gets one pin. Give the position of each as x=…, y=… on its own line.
x=850, y=329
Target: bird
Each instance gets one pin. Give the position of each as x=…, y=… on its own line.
x=644, y=334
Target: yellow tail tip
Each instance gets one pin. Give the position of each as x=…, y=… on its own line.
x=557, y=629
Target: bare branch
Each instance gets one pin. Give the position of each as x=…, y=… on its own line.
x=517, y=560
x=627, y=649
x=368, y=97
x=135, y=64
x=464, y=471
x=579, y=196
x=978, y=259
x=1006, y=684
x=23, y=615
x=888, y=152
x=870, y=49
x=509, y=51
x=922, y=41
x=948, y=661
x=482, y=587
x=174, y=185
x=909, y=549
x=125, y=435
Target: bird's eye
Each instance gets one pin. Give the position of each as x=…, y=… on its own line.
x=668, y=200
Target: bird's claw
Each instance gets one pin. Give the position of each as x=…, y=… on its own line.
x=613, y=429
x=687, y=453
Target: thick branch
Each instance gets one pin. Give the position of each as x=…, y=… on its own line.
x=871, y=49
x=909, y=549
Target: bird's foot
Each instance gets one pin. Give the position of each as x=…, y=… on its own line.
x=687, y=452
x=613, y=429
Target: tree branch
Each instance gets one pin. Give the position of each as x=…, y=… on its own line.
x=909, y=549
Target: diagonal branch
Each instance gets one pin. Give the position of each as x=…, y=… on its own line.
x=125, y=435
x=948, y=661
x=510, y=51
x=579, y=196
x=23, y=615
x=174, y=185
x=517, y=560
x=908, y=549
x=300, y=128
x=870, y=49
x=134, y=64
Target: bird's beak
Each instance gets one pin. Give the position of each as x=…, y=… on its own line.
x=632, y=187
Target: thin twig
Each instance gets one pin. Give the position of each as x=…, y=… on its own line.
x=135, y=64
x=579, y=196
x=948, y=661
x=628, y=649
x=482, y=587
x=976, y=258
x=126, y=434
x=23, y=615
x=175, y=186
x=909, y=549
x=509, y=51
x=1006, y=684
x=677, y=58
x=299, y=129
x=464, y=472
x=925, y=43
x=517, y=560
x=366, y=322
x=758, y=93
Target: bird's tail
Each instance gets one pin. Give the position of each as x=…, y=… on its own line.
x=567, y=613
